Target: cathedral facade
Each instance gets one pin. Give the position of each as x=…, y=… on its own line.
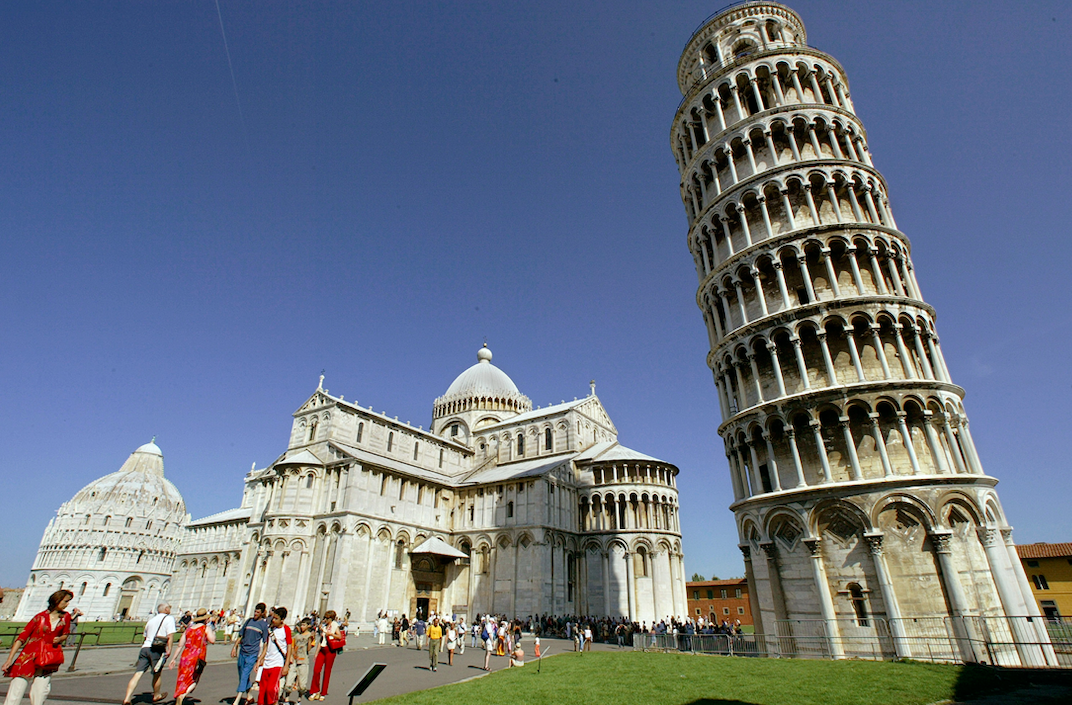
x=498, y=507
x=864, y=512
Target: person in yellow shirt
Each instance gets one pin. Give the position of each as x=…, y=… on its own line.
x=435, y=640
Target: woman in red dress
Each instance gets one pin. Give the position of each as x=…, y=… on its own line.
x=42, y=655
x=191, y=652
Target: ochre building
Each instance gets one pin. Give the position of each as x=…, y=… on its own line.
x=1049, y=570
x=867, y=521
x=720, y=600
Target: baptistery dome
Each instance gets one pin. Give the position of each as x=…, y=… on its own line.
x=113, y=544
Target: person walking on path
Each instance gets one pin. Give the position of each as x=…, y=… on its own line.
x=403, y=631
x=191, y=653
x=41, y=652
x=274, y=662
x=382, y=625
x=452, y=642
x=252, y=638
x=419, y=628
x=159, y=631
x=461, y=632
x=297, y=682
x=325, y=655
x=435, y=641
x=489, y=648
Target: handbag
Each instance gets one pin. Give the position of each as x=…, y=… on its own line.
x=159, y=643
x=336, y=643
x=45, y=653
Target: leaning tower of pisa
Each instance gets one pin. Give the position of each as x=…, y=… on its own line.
x=864, y=513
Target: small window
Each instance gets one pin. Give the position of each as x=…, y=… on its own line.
x=509, y=509
x=312, y=429
x=696, y=594
x=440, y=457
x=740, y=610
x=390, y=441
x=88, y=516
x=548, y=440
x=723, y=595
x=697, y=610
x=472, y=511
x=129, y=520
x=1040, y=582
x=1032, y=564
x=360, y=431
x=454, y=430
x=858, y=604
x=106, y=520
x=82, y=590
x=710, y=594
x=520, y=444
x=400, y=549
x=148, y=524
x=107, y=589
x=308, y=482
x=102, y=554
x=737, y=593
x=725, y=610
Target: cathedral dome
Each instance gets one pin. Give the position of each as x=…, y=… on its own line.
x=483, y=378
x=482, y=388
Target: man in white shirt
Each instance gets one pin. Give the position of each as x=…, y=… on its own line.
x=275, y=658
x=154, y=651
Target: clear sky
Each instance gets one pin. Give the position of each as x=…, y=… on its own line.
x=406, y=178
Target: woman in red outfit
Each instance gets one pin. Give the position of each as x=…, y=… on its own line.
x=325, y=655
x=193, y=648
x=42, y=655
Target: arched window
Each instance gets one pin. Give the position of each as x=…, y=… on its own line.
x=129, y=521
x=107, y=589
x=400, y=549
x=312, y=429
x=308, y=481
x=520, y=444
x=416, y=449
x=548, y=440
x=454, y=430
x=440, y=457
x=390, y=441
x=82, y=590
x=509, y=509
x=859, y=605
x=102, y=554
x=106, y=520
x=88, y=517
x=641, y=562
x=360, y=431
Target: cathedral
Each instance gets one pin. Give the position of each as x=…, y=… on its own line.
x=498, y=507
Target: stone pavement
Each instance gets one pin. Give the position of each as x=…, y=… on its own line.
x=102, y=672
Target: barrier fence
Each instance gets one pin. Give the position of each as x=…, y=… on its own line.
x=1022, y=642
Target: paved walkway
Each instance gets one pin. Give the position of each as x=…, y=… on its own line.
x=102, y=672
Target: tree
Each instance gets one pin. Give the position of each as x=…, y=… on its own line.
x=697, y=578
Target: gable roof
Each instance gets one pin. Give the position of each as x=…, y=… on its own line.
x=299, y=457
x=610, y=451
x=438, y=547
x=1045, y=550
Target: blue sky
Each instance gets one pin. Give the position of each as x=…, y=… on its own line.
x=407, y=178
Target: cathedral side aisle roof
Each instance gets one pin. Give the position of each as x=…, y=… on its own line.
x=512, y=471
x=239, y=514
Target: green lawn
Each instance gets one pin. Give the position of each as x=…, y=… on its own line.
x=594, y=678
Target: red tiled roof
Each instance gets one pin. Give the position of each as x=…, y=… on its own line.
x=1045, y=550
x=716, y=583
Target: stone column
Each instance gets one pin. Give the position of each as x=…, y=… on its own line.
x=935, y=445
x=850, y=339
x=791, y=436
x=831, y=375
x=889, y=597
x=777, y=366
x=753, y=597
x=758, y=282
x=1012, y=601
x=850, y=446
x=772, y=465
x=605, y=569
x=788, y=206
x=826, y=601
x=909, y=445
x=802, y=260
x=958, y=603
x=821, y=450
x=782, y=289
x=630, y=584
x=802, y=367
x=880, y=351
x=774, y=578
x=1039, y=622
x=880, y=443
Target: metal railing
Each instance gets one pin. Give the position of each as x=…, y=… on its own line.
x=72, y=646
x=1020, y=642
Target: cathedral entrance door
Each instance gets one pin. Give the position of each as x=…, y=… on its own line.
x=422, y=608
x=124, y=605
